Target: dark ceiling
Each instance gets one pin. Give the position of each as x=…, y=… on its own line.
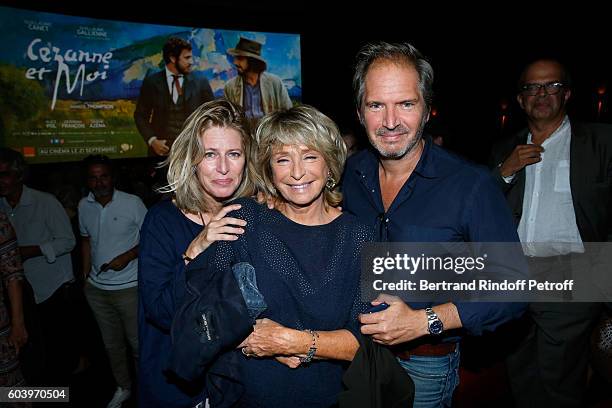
x=476, y=51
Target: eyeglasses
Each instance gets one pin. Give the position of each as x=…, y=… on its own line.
x=550, y=88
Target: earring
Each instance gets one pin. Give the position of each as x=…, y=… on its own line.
x=330, y=183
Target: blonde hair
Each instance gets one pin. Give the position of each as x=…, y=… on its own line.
x=187, y=152
x=300, y=125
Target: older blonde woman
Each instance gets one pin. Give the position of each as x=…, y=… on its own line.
x=207, y=166
x=305, y=254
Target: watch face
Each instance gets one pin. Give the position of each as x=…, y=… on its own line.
x=436, y=327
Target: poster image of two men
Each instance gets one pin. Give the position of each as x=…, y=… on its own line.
x=79, y=86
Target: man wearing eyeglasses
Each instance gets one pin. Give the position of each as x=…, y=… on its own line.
x=556, y=175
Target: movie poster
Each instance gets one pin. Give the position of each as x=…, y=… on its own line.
x=70, y=84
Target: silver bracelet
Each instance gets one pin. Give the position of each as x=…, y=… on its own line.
x=313, y=348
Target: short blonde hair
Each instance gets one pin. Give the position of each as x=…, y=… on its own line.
x=300, y=125
x=187, y=152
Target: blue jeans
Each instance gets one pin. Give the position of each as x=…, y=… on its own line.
x=435, y=379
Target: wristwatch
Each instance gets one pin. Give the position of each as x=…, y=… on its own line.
x=434, y=324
